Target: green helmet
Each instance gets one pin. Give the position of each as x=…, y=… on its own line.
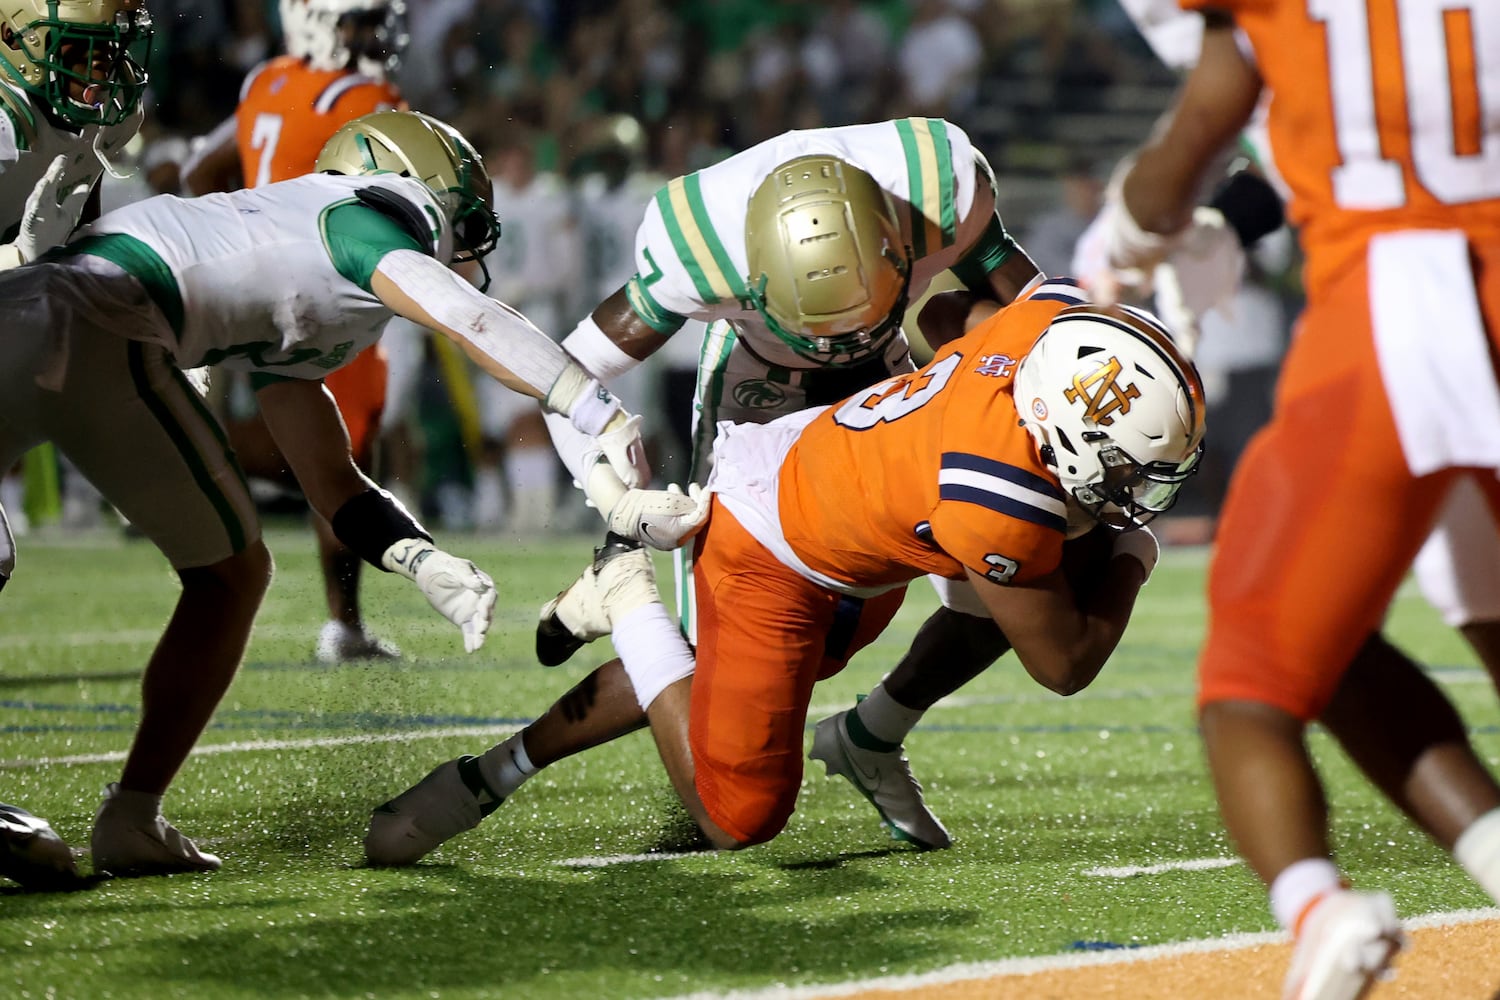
x=828, y=270
x=412, y=144
x=85, y=60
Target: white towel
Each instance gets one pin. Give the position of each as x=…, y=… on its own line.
x=1433, y=353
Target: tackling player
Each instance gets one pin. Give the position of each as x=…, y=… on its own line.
x=1388, y=399
x=338, y=55
x=801, y=254
x=285, y=283
x=1050, y=416
x=72, y=74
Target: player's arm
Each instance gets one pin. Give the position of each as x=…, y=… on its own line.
x=214, y=164
x=1160, y=188
x=1063, y=640
x=304, y=421
x=994, y=269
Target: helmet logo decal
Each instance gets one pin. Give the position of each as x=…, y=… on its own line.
x=1102, y=393
x=1039, y=408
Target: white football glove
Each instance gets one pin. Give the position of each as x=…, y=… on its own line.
x=52, y=212
x=1142, y=545
x=460, y=591
x=662, y=519
x=1202, y=273
x=624, y=450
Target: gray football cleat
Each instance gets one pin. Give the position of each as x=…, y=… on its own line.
x=340, y=643
x=32, y=854
x=883, y=778
x=451, y=799
x=129, y=841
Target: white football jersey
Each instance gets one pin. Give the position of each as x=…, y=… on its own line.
x=248, y=278
x=29, y=142
x=690, y=250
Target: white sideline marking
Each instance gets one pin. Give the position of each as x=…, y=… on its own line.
x=252, y=746
x=1054, y=963
x=605, y=860
x=1195, y=865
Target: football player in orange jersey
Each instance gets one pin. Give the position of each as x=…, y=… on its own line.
x=1049, y=417
x=334, y=70
x=1388, y=397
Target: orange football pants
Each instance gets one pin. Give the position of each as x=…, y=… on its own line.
x=359, y=390
x=1323, y=516
x=765, y=636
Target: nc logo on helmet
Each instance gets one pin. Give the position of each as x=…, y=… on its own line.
x=758, y=394
x=1102, y=394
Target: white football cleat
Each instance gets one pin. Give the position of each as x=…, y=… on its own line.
x=340, y=643
x=619, y=580
x=130, y=840
x=32, y=853
x=883, y=778
x=453, y=798
x=1347, y=943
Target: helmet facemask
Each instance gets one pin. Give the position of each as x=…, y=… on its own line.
x=829, y=273
x=1116, y=411
x=85, y=59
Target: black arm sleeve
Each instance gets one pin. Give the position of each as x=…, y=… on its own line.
x=372, y=522
x=1250, y=205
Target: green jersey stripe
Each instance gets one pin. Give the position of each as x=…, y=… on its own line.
x=918, y=222
x=142, y=263
x=932, y=185
x=667, y=200
x=722, y=261
x=162, y=409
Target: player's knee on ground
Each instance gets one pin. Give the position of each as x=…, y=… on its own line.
x=750, y=809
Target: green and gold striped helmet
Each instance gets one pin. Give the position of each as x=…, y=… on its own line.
x=412, y=144
x=829, y=272
x=85, y=60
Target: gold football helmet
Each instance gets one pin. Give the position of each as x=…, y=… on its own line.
x=85, y=60
x=412, y=144
x=829, y=272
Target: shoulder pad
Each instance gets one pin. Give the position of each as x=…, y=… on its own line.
x=400, y=210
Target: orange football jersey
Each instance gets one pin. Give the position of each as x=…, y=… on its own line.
x=932, y=472
x=288, y=111
x=1384, y=115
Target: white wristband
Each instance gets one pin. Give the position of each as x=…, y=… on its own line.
x=591, y=347
x=1141, y=544
x=582, y=399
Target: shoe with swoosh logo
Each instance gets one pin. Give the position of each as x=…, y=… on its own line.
x=883, y=778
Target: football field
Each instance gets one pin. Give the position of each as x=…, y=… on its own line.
x=1082, y=826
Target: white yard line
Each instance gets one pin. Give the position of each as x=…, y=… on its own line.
x=1193, y=865
x=1054, y=963
x=256, y=746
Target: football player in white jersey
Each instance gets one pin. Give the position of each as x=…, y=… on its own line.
x=286, y=283
x=72, y=74
x=535, y=266
x=801, y=253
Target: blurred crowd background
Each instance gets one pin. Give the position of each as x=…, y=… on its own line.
x=583, y=108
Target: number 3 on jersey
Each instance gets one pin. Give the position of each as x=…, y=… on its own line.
x=265, y=133
x=1449, y=55
x=896, y=397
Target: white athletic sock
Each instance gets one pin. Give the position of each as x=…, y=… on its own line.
x=885, y=717
x=652, y=649
x=1478, y=850
x=1300, y=885
x=505, y=766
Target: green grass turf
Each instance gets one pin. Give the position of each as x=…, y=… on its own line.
x=1035, y=788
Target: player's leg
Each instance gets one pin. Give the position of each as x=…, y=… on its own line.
x=359, y=390
x=765, y=637
x=1458, y=568
x=1314, y=538
x=179, y=484
x=865, y=743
